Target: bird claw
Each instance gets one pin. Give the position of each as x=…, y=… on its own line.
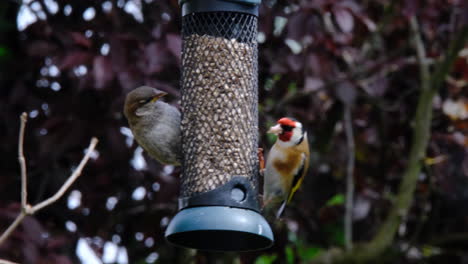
x=261, y=161
x=265, y=202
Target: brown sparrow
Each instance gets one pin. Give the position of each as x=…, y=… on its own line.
x=154, y=124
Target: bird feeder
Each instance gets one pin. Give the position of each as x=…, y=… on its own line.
x=219, y=207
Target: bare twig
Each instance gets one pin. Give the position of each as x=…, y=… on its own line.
x=420, y=54
x=6, y=262
x=348, y=124
x=13, y=226
x=27, y=209
x=70, y=180
x=22, y=161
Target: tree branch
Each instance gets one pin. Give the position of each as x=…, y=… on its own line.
x=6, y=262
x=13, y=226
x=348, y=222
x=420, y=54
x=420, y=137
x=22, y=161
x=27, y=209
x=70, y=180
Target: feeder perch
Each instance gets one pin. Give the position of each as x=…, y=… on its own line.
x=219, y=207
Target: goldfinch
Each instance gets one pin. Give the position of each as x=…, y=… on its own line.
x=286, y=164
x=154, y=124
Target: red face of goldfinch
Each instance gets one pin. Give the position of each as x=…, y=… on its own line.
x=287, y=129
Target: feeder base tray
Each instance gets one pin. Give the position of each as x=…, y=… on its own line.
x=219, y=228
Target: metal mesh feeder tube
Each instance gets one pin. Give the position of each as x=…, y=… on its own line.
x=219, y=208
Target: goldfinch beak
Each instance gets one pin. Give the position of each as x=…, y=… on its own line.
x=275, y=130
x=159, y=95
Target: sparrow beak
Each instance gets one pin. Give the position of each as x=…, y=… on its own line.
x=275, y=130
x=157, y=96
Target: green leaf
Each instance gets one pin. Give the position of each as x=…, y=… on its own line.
x=292, y=236
x=271, y=139
x=308, y=253
x=269, y=102
x=270, y=82
x=338, y=236
x=289, y=255
x=266, y=259
x=292, y=88
x=3, y=51
x=337, y=199
x=335, y=233
x=429, y=251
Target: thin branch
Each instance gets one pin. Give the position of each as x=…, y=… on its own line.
x=13, y=226
x=27, y=209
x=444, y=67
x=348, y=223
x=2, y=261
x=24, y=193
x=70, y=180
x=420, y=54
x=420, y=139
x=22, y=161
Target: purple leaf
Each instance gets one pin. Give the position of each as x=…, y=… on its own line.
x=346, y=92
x=344, y=19
x=40, y=48
x=371, y=26
x=174, y=44
x=54, y=258
x=295, y=62
x=377, y=87
x=313, y=84
x=80, y=39
x=102, y=71
x=33, y=230
x=130, y=79
x=296, y=26
x=156, y=58
x=410, y=8
x=75, y=58
x=362, y=207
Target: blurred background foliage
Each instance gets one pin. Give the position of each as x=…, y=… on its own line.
x=69, y=64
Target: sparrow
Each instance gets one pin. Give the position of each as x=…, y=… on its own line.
x=286, y=164
x=154, y=124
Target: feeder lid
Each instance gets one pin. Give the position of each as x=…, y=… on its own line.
x=219, y=228
x=251, y=2
x=240, y=6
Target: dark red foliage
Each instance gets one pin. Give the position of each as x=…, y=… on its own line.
x=71, y=76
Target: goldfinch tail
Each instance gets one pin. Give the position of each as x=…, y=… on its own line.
x=281, y=209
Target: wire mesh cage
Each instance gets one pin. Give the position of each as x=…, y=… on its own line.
x=219, y=193
x=219, y=100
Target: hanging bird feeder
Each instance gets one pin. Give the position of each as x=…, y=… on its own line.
x=219, y=207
